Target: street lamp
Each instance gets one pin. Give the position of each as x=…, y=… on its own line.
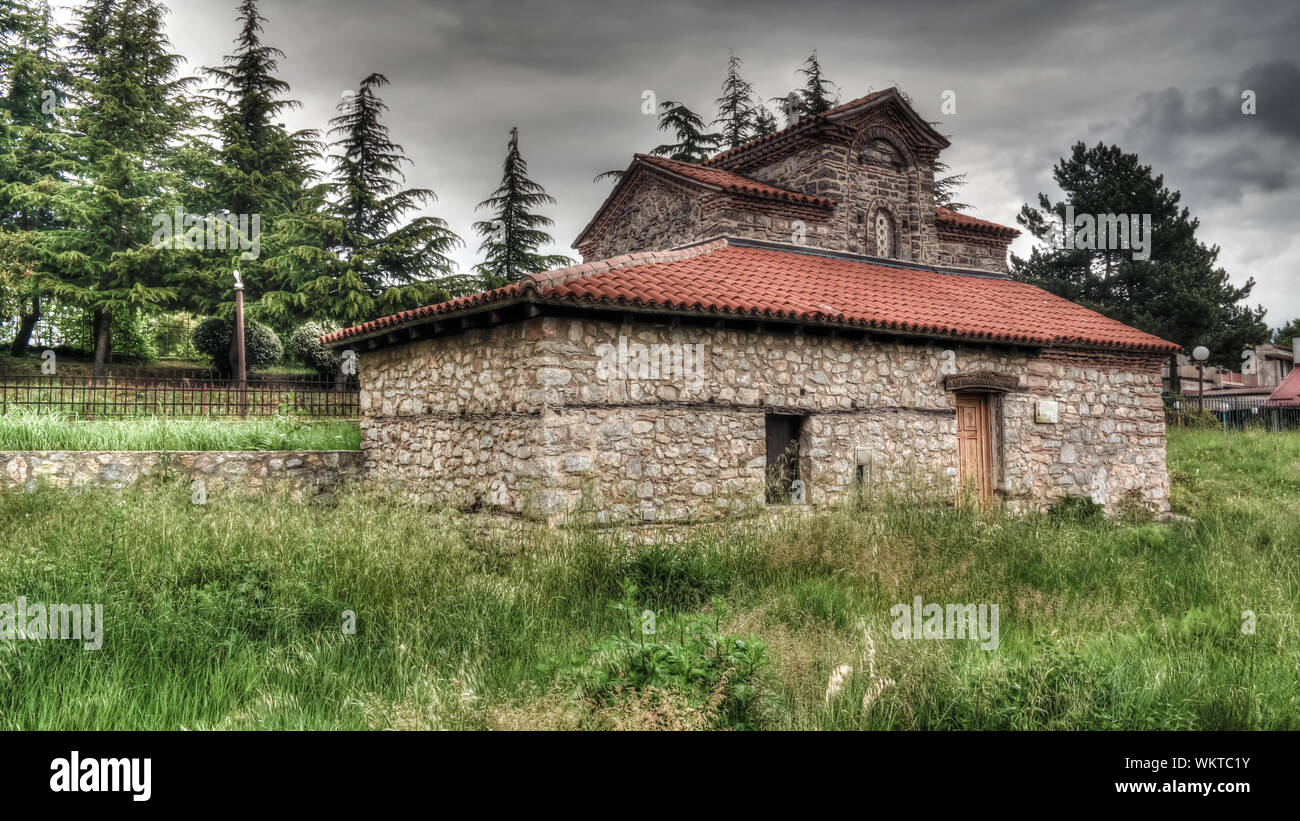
x=239, y=344
x=1200, y=353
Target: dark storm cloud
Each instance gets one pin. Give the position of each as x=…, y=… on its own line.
x=1030, y=78
x=1229, y=140
x=1266, y=102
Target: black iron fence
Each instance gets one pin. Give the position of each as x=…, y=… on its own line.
x=123, y=397
x=1248, y=412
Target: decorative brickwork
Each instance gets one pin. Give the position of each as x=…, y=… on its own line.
x=873, y=165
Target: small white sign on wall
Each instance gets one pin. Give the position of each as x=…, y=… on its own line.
x=1045, y=412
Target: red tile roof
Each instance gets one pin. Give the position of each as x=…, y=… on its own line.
x=1287, y=393
x=735, y=183
x=743, y=278
x=949, y=217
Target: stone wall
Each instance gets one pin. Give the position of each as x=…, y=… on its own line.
x=297, y=472
x=965, y=249
x=565, y=424
x=905, y=194
x=651, y=214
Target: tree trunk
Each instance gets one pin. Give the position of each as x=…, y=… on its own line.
x=1175, y=384
x=24, y=337
x=103, y=323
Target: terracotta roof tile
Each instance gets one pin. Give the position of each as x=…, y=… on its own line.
x=950, y=217
x=732, y=182
x=734, y=277
x=1287, y=393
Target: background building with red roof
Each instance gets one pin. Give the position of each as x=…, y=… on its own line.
x=793, y=320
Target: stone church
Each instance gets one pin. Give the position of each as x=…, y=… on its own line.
x=792, y=321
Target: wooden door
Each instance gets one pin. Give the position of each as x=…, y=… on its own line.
x=974, y=445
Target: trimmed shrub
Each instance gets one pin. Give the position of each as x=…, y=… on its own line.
x=262, y=347
x=305, y=346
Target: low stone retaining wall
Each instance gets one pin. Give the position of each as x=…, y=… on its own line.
x=305, y=472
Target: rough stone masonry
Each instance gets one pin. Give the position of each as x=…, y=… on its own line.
x=514, y=417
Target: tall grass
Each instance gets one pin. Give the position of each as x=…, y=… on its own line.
x=229, y=615
x=25, y=429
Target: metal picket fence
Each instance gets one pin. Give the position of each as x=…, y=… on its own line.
x=111, y=397
x=1250, y=412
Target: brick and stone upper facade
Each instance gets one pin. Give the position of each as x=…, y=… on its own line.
x=858, y=178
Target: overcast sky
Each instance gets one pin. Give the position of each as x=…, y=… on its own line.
x=1163, y=80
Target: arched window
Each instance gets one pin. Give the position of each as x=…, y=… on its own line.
x=883, y=233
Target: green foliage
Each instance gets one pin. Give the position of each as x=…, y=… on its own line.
x=1190, y=416
x=255, y=167
x=355, y=259
x=512, y=237
x=764, y=122
x=1283, y=336
x=946, y=187
x=694, y=144
x=1105, y=624
x=22, y=429
x=129, y=112
x=722, y=675
x=213, y=338
x=676, y=578
x=1078, y=509
x=34, y=87
x=172, y=334
x=305, y=347
x=818, y=94
x=1179, y=294
x=738, y=108
x=132, y=341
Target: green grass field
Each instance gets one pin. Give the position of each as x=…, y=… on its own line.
x=229, y=615
x=23, y=429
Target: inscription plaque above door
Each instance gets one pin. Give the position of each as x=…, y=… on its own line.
x=982, y=381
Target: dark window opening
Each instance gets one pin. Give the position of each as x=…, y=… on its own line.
x=782, y=456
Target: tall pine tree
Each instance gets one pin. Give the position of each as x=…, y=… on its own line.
x=946, y=186
x=35, y=88
x=514, y=234
x=694, y=143
x=764, y=122
x=258, y=167
x=374, y=261
x=818, y=93
x=1179, y=293
x=130, y=112
x=738, y=112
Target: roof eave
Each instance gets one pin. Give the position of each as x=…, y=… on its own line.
x=668, y=311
